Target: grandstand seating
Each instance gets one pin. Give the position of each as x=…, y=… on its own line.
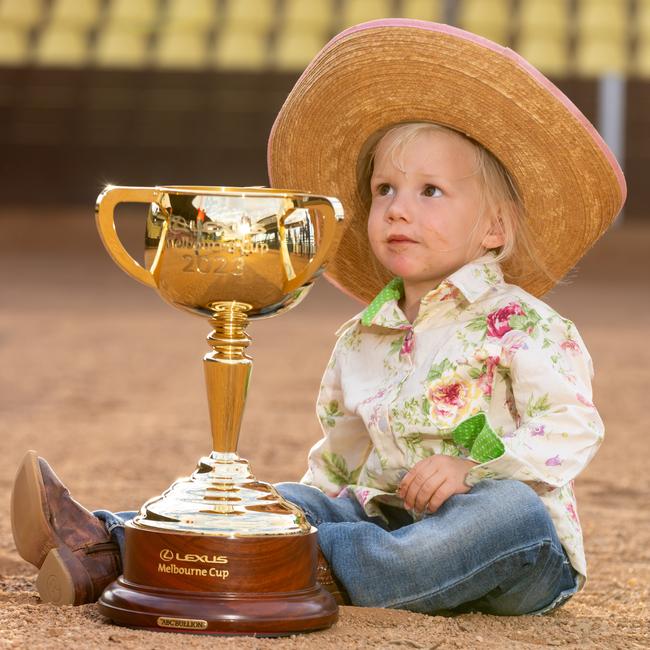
x=14, y=45
x=359, y=11
x=295, y=48
x=241, y=50
x=561, y=37
x=598, y=55
x=601, y=17
x=190, y=15
x=179, y=47
x=602, y=38
x=62, y=45
x=122, y=48
x=128, y=15
x=489, y=18
x=314, y=16
x=543, y=32
x=73, y=13
x=641, y=20
x=21, y=13
x=548, y=53
x=548, y=17
x=423, y=10
x=249, y=15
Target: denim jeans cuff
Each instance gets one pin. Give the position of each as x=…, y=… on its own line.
x=562, y=597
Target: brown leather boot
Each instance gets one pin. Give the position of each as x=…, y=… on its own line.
x=69, y=545
x=328, y=581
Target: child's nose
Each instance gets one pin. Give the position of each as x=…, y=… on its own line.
x=397, y=210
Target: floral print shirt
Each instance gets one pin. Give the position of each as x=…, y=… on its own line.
x=481, y=354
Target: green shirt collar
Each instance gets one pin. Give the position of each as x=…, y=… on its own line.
x=469, y=283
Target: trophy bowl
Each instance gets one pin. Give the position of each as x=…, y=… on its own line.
x=220, y=551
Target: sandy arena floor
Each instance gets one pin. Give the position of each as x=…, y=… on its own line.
x=105, y=381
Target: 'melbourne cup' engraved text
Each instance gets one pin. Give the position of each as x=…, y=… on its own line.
x=167, y=566
x=234, y=246
x=212, y=572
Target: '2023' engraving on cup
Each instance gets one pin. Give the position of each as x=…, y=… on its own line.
x=169, y=559
x=213, y=264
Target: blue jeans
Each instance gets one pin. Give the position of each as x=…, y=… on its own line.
x=493, y=550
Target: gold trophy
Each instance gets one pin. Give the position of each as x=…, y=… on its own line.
x=220, y=551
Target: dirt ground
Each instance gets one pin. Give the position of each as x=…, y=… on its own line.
x=105, y=381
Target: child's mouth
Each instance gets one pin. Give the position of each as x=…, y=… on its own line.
x=400, y=239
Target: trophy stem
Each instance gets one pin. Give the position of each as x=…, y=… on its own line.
x=227, y=374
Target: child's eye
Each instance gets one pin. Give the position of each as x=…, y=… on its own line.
x=383, y=189
x=432, y=190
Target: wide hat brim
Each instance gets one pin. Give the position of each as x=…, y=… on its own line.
x=387, y=72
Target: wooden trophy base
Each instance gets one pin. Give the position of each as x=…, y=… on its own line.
x=180, y=582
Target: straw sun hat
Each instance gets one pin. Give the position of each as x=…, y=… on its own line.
x=387, y=72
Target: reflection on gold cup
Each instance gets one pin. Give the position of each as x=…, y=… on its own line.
x=220, y=551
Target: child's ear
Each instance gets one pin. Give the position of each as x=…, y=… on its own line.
x=495, y=237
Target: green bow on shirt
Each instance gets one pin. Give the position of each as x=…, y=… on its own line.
x=477, y=436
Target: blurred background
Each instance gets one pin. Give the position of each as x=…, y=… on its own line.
x=185, y=91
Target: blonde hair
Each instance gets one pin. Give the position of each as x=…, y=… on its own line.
x=499, y=192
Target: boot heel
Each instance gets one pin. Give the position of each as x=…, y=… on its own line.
x=58, y=576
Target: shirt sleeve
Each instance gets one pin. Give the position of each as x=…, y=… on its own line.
x=558, y=429
x=335, y=461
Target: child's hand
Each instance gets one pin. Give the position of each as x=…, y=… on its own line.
x=431, y=481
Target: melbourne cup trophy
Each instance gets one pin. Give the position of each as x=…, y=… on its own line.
x=220, y=551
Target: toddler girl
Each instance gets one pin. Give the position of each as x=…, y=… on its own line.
x=456, y=408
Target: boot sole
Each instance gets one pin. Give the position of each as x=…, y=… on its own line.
x=31, y=529
x=54, y=582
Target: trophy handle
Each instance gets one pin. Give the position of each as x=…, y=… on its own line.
x=332, y=216
x=105, y=220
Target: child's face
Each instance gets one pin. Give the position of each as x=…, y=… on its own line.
x=425, y=218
